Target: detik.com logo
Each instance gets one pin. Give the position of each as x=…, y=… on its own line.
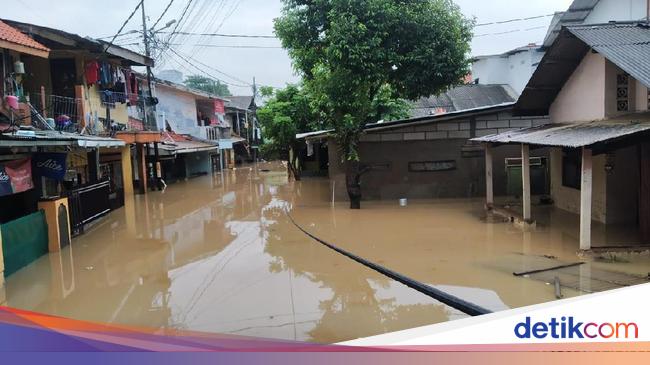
x=569, y=327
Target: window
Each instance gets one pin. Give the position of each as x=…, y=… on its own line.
x=432, y=166
x=571, y=167
x=622, y=92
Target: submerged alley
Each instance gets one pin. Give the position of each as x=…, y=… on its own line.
x=217, y=253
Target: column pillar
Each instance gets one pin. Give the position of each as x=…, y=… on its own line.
x=142, y=168
x=525, y=174
x=127, y=170
x=585, y=199
x=489, y=182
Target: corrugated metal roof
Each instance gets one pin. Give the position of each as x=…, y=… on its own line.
x=464, y=97
x=239, y=102
x=627, y=45
x=573, y=135
x=578, y=11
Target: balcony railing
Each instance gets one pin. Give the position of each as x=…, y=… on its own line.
x=215, y=133
x=65, y=113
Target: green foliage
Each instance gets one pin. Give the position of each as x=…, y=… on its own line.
x=357, y=58
x=208, y=85
x=286, y=113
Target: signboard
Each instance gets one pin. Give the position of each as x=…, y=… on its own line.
x=16, y=177
x=219, y=113
x=52, y=165
x=219, y=107
x=225, y=144
x=432, y=166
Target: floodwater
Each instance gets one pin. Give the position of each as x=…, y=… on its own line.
x=219, y=254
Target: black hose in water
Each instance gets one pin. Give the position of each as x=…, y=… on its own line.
x=439, y=295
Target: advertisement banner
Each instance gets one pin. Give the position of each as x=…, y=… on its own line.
x=16, y=176
x=219, y=113
x=52, y=165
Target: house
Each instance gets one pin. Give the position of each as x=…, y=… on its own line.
x=194, y=125
x=87, y=86
x=426, y=157
x=241, y=115
x=512, y=68
x=61, y=165
x=593, y=82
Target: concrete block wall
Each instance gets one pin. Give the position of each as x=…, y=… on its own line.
x=462, y=128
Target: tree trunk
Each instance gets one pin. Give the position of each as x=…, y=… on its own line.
x=293, y=171
x=353, y=183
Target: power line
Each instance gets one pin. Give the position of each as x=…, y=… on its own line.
x=123, y=25
x=226, y=35
x=219, y=71
x=203, y=71
x=515, y=20
x=509, y=31
x=162, y=15
x=230, y=46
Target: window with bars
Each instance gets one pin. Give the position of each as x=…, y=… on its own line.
x=622, y=92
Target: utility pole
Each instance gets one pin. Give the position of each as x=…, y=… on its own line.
x=147, y=52
x=157, y=174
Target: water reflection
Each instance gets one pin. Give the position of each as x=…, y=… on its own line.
x=218, y=254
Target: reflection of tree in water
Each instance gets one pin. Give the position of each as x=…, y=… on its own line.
x=355, y=308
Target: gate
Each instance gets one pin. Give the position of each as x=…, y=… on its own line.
x=23, y=241
x=88, y=204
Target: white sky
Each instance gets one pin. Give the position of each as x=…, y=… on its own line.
x=98, y=18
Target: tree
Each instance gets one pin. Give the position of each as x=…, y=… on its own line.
x=208, y=85
x=352, y=52
x=286, y=113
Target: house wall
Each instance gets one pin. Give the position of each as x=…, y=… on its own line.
x=514, y=70
x=94, y=105
x=439, y=141
x=618, y=10
x=568, y=198
x=179, y=109
x=623, y=180
x=197, y=163
x=582, y=97
x=641, y=99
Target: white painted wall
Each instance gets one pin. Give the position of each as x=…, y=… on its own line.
x=582, y=97
x=617, y=10
x=514, y=70
x=179, y=109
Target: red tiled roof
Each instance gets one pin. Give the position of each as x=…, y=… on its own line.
x=13, y=35
x=174, y=137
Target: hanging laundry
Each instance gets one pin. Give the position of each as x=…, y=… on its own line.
x=92, y=72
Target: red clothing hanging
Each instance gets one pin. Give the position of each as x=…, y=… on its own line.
x=92, y=72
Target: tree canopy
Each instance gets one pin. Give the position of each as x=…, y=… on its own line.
x=207, y=84
x=352, y=52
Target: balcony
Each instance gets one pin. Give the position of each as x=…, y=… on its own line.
x=212, y=133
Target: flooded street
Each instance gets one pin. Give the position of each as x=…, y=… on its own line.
x=218, y=254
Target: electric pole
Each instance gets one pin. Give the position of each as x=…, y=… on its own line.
x=147, y=52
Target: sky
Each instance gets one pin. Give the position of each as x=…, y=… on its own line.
x=270, y=66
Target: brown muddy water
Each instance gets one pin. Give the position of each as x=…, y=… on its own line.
x=219, y=254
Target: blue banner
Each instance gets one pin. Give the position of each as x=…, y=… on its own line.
x=52, y=165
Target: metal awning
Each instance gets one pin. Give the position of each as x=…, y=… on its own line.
x=571, y=135
x=54, y=138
